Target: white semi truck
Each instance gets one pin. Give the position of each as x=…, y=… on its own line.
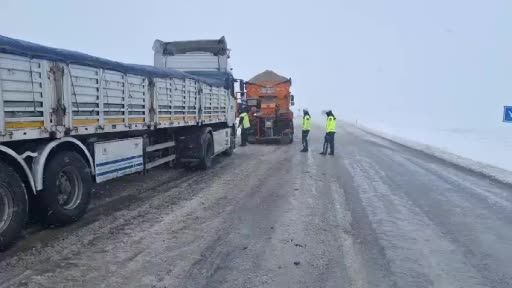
x=68, y=119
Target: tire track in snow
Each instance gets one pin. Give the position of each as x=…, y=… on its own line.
x=417, y=251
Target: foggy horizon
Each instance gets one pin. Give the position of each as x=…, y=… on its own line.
x=392, y=63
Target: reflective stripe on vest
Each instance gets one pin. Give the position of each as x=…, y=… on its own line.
x=331, y=124
x=306, y=123
x=245, y=122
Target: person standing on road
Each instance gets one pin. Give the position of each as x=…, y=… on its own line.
x=329, y=135
x=246, y=124
x=306, y=126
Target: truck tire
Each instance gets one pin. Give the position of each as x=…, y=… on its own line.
x=13, y=206
x=66, y=189
x=207, y=155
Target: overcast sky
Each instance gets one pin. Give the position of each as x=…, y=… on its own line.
x=415, y=62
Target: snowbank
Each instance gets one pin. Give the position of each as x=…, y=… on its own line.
x=488, y=170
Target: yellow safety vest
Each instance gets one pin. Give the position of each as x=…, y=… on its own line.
x=306, y=123
x=331, y=124
x=245, y=123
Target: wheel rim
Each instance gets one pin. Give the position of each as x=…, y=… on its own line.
x=6, y=206
x=69, y=188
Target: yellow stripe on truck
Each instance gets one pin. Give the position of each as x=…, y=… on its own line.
x=114, y=121
x=85, y=122
x=24, y=125
x=165, y=119
x=136, y=120
x=176, y=118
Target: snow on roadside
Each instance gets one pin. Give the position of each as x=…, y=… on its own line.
x=491, y=171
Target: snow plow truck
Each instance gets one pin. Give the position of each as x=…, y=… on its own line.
x=269, y=99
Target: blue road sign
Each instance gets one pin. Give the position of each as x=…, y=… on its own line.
x=507, y=114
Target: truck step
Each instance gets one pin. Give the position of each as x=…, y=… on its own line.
x=160, y=146
x=160, y=161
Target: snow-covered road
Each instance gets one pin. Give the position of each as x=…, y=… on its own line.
x=377, y=214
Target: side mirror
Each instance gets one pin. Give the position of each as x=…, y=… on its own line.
x=241, y=87
x=292, y=100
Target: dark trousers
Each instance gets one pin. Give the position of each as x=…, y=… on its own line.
x=329, y=142
x=245, y=135
x=305, y=134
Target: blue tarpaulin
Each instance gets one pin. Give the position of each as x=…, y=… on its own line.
x=216, y=76
x=37, y=51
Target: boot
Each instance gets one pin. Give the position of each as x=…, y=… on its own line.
x=324, y=152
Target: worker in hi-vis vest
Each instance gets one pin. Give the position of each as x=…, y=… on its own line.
x=330, y=130
x=306, y=126
x=245, y=124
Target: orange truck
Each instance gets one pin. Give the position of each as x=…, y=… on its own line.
x=269, y=100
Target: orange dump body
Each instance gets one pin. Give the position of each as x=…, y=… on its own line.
x=269, y=99
x=274, y=98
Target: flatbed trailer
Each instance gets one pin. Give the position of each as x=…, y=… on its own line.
x=68, y=119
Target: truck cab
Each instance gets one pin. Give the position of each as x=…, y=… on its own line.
x=208, y=59
x=196, y=55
